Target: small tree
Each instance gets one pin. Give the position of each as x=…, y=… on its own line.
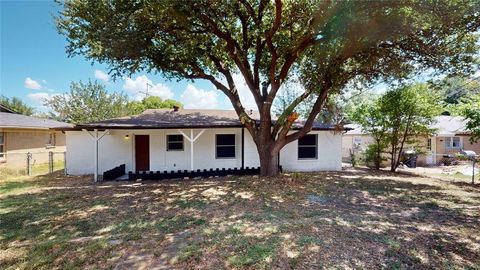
x=369, y=115
x=408, y=112
x=17, y=105
x=398, y=118
x=470, y=109
x=87, y=102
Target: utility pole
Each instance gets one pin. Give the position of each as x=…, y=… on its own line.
x=146, y=91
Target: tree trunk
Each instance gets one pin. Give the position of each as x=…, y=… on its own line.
x=378, y=160
x=269, y=164
x=268, y=160
x=393, y=163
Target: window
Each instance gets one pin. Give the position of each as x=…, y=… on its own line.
x=307, y=147
x=452, y=142
x=174, y=142
x=51, y=140
x=357, y=142
x=429, y=144
x=2, y=145
x=225, y=146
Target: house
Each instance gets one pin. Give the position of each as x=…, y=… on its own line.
x=21, y=134
x=449, y=138
x=189, y=139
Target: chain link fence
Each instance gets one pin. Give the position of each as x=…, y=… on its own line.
x=32, y=163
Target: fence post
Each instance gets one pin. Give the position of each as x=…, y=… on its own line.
x=64, y=163
x=29, y=164
x=50, y=162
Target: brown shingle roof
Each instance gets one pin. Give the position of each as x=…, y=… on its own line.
x=183, y=118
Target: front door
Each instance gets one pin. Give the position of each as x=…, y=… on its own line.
x=142, y=153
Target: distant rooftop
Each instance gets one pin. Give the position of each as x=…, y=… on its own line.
x=450, y=125
x=6, y=109
x=182, y=118
x=445, y=126
x=15, y=120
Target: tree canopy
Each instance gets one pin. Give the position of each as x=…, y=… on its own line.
x=324, y=44
x=400, y=117
x=152, y=102
x=87, y=102
x=17, y=105
x=469, y=107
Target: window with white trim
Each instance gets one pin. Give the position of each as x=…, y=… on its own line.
x=175, y=142
x=453, y=142
x=225, y=146
x=2, y=145
x=308, y=146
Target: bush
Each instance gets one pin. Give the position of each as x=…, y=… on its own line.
x=371, y=157
x=353, y=158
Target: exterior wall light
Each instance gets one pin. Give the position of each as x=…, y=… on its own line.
x=126, y=137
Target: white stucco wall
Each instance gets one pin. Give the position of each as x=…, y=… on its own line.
x=329, y=155
x=114, y=150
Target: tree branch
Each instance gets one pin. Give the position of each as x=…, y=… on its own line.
x=307, y=126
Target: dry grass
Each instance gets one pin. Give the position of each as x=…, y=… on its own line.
x=350, y=219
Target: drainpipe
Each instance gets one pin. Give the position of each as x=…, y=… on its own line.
x=243, y=148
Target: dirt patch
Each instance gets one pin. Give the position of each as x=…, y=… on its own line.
x=351, y=219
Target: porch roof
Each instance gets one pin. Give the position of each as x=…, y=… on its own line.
x=182, y=118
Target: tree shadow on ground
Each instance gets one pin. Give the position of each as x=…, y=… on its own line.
x=320, y=220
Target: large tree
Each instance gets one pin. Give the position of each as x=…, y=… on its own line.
x=87, y=102
x=325, y=44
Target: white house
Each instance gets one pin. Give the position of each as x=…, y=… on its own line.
x=184, y=139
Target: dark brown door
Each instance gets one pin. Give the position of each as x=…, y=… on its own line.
x=142, y=153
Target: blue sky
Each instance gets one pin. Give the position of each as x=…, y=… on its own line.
x=34, y=64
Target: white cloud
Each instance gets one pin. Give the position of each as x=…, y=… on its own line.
x=102, y=75
x=39, y=98
x=194, y=98
x=32, y=84
x=246, y=97
x=139, y=84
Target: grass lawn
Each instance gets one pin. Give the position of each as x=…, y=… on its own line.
x=350, y=219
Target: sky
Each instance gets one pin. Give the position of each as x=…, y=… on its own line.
x=35, y=66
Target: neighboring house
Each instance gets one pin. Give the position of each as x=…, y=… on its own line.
x=450, y=137
x=188, y=139
x=21, y=134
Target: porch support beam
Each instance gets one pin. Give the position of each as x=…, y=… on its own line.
x=96, y=137
x=191, y=139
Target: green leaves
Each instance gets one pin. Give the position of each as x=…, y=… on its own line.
x=470, y=109
x=17, y=105
x=400, y=117
x=152, y=102
x=87, y=102
x=90, y=102
x=326, y=45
